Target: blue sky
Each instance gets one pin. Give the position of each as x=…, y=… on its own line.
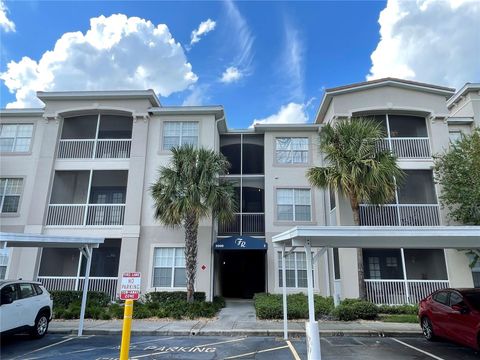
x=281, y=55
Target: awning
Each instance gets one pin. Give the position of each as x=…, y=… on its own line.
x=240, y=243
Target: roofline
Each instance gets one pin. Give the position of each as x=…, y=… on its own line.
x=262, y=128
x=465, y=89
x=21, y=112
x=401, y=83
x=101, y=95
x=216, y=110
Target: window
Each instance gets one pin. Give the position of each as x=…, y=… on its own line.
x=9, y=294
x=293, y=205
x=178, y=133
x=374, y=267
x=391, y=261
x=169, y=267
x=454, y=136
x=10, y=191
x=291, y=150
x=38, y=289
x=3, y=263
x=441, y=297
x=295, y=268
x=15, y=137
x=331, y=195
x=26, y=291
x=456, y=299
x=336, y=263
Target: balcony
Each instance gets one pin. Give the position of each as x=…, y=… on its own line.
x=88, y=198
x=400, y=215
x=94, y=149
x=104, y=284
x=244, y=224
x=407, y=147
x=96, y=137
x=399, y=292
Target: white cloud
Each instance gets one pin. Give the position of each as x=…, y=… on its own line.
x=117, y=52
x=204, y=28
x=198, y=96
x=292, y=113
x=241, y=41
x=292, y=66
x=231, y=74
x=428, y=40
x=5, y=23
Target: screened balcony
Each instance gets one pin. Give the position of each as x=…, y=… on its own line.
x=250, y=220
x=245, y=152
x=88, y=198
x=64, y=269
x=415, y=204
x=397, y=276
x=407, y=136
x=96, y=137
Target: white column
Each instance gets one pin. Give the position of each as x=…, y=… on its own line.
x=284, y=292
x=313, y=337
x=407, y=290
x=79, y=268
x=88, y=254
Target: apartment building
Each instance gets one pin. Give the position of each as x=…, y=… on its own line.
x=84, y=163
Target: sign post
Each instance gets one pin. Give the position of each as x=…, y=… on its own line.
x=129, y=291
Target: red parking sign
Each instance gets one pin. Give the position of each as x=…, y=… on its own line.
x=130, y=286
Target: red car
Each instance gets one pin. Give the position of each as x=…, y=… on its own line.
x=453, y=314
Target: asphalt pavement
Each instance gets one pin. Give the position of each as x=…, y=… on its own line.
x=102, y=347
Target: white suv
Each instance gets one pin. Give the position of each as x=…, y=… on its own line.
x=24, y=306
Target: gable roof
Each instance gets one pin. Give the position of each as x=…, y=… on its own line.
x=389, y=81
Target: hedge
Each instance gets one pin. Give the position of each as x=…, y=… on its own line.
x=398, y=309
x=156, y=304
x=355, y=309
x=270, y=306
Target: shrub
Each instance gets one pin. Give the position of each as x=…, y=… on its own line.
x=63, y=299
x=116, y=311
x=398, y=309
x=354, y=309
x=270, y=306
x=169, y=296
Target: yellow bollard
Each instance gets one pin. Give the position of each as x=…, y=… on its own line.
x=127, y=325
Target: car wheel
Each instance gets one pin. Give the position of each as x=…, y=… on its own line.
x=427, y=329
x=41, y=326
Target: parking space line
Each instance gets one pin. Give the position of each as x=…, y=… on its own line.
x=292, y=349
x=417, y=349
x=164, y=352
x=257, y=352
x=45, y=347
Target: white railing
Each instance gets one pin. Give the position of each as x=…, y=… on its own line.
x=250, y=223
x=403, y=147
x=95, y=283
x=399, y=215
x=85, y=215
x=94, y=149
x=399, y=292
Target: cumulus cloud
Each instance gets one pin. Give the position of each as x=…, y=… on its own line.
x=117, y=52
x=198, y=96
x=428, y=40
x=241, y=41
x=204, y=28
x=292, y=113
x=5, y=23
x=231, y=74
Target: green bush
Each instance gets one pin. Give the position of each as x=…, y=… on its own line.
x=169, y=296
x=115, y=310
x=398, y=309
x=270, y=306
x=354, y=309
x=63, y=299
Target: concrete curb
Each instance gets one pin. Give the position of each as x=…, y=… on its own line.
x=266, y=332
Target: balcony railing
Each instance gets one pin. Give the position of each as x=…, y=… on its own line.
x=399, y=292
x=94, y=149
x=85, y=215
x=410, y=148
x=107, y=285
x=250, y=223
x=399, y=215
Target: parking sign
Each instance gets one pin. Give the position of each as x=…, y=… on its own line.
x=130, y=286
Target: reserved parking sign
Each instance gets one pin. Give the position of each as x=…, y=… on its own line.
x=130, y=286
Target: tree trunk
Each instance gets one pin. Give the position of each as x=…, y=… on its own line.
x=361, y=275
x=191, y=232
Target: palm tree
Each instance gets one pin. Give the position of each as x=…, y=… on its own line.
x=189, y=189
x=357, y=168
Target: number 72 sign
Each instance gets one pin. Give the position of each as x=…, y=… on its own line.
x=130, y=286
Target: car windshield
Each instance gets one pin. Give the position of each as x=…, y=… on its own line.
x=474, y=299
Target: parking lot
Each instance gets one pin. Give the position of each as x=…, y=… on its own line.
x=203, y=348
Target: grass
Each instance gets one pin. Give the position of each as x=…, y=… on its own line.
x=399, y=318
